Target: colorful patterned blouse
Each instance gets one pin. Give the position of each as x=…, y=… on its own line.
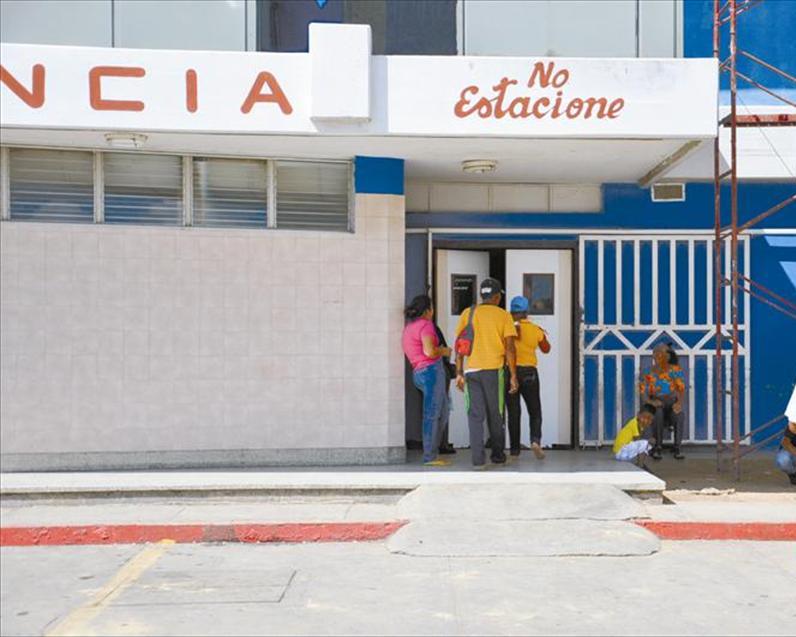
x=656, y=382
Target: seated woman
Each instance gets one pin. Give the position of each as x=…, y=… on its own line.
x=663, y=386
x=422, y=348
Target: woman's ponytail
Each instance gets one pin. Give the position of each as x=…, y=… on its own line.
x=419, y=306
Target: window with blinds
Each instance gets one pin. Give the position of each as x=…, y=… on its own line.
x=143, y=189
x=51, y=185
x=312, y=195
x=149, y=189
x=230, y=193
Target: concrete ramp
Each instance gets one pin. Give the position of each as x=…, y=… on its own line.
x=521, y=502
x=541, y=538
x=512, y=520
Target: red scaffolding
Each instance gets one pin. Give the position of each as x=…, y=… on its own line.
x=738, y=283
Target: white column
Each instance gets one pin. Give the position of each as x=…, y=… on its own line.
x=5, y=184
x=636, y=282
x=99, y=189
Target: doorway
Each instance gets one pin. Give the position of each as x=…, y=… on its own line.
x=545, y=276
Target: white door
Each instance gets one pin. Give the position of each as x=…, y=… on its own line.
x=544, y=277
x=459, y=275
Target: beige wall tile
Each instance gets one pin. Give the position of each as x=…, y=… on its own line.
x=198, y=329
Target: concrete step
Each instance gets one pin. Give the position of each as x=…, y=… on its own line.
x=323, y=481
x=197, y=511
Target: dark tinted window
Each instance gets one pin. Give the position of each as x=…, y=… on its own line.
x=419, y=27
x=462, y=292
x=539, y=290
x=282, y=24
x=408, y=27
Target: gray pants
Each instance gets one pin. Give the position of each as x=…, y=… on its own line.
x=665, y=416
x=484, y=397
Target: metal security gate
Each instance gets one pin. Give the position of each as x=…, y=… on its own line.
x=638, y=290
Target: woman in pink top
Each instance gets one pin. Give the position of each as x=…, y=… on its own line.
x=421, y=347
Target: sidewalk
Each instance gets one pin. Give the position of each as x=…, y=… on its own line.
x=442, y=511
x=578, y=501
x=559, y=467
x=698, y=471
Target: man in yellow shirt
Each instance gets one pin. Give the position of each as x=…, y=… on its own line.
x=483, y=378
x=630, y=444
x=530, y=337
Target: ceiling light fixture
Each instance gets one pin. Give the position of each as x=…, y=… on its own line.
x=479, y=166
x=125, y=140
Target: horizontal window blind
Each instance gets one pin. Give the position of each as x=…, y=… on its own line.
x=143, y=189
x=230, y=193
x=312, y=195
x=149, y=189
x=51, y=185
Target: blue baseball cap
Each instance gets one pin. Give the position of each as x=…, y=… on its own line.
x=519, y=304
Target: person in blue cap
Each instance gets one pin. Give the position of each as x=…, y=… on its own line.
x=530, y=337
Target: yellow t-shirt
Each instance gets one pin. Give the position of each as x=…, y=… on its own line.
x=529, y=335
x=491, y=325
x=626, y=434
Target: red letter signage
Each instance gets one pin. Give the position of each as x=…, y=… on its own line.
x=276, y=95
x=191, y=99
x=33, y=98
x=493, y=106
x=95, y=76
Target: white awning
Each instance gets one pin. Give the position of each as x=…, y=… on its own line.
x=542, y=119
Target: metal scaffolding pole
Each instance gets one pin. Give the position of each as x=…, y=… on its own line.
x=736, y=384
x=717, y=265
x=733, y=285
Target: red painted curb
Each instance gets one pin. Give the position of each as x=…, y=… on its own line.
x=758, y=531
x=190, y=533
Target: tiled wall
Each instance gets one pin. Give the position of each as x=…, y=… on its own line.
x=136, y=346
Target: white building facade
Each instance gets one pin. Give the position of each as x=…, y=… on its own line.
x=205, y=253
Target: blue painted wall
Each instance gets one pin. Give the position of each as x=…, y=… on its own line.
x=773, y=333
x=379, y=175
x=628, y=207
x=765, y=30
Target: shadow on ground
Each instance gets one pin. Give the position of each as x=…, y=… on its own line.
x=699, y=471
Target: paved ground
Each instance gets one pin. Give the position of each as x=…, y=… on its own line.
x=481, y=554
x=698, y=471
x=687, y=588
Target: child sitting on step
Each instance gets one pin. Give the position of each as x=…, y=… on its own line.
x=630, y=444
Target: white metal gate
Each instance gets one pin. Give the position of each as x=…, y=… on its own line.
x=637, y=290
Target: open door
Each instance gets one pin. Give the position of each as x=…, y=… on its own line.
x=459, y=275
x=544, y=277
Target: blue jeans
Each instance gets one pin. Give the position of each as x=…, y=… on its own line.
x=785, y=461
x=432, y=382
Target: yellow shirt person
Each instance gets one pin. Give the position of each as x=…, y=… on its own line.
x=529, y=338
x=486, y=353
x=492, y=325
x=628, y=433
x=630, y=444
